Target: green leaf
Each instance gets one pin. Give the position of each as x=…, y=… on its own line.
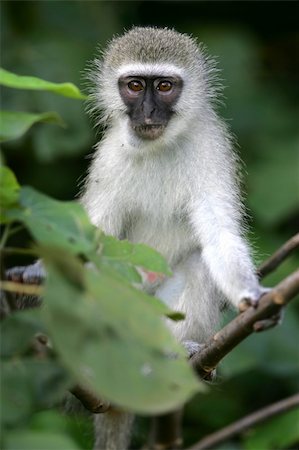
x=136, y=254
x=77, y=425
x=55, y=223
x=127, y=273
x=18, y=331
x=279, y=432
x=125, y=270
x=111, y=337
x=13, y=80
x=29, y=384
x=9, y=188
x=14, y=124
x=37, y=440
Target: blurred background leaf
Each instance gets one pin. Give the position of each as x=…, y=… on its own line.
x=13, y=124
x=16, y=81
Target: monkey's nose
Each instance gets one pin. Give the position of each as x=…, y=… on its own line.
x=148, y=121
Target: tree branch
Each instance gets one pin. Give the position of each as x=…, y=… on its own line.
x=242, y=326
x=278, y=257
x=89, y=400
x=246, y=422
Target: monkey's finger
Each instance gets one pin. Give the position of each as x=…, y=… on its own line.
x=245, y=303
x=266, y=324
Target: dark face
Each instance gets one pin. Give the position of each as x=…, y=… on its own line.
x=150, y=102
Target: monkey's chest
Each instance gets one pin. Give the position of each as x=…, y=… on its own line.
x=171, y=236
x=157, y=210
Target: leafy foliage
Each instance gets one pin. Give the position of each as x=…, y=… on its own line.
x=63, y=224
x=108, y=334
x=121, y=348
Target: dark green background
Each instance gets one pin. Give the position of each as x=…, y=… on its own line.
x=256, y=45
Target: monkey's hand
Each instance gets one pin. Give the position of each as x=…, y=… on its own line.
x=253, y=299
x=261, y=325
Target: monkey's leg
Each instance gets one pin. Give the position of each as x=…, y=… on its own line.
x=113, y=430
x=192, y=291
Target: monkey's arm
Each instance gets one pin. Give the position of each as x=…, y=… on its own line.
x=215, y=220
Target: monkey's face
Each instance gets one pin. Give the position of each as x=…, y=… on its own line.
x=150, y=102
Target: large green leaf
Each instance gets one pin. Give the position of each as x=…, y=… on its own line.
x=136, y=254
x=14, y=124
x=56, y=223
x=18, y=331
x=111, y=337
x=29, y=384
x=13, y=80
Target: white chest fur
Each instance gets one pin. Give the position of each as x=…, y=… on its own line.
x=150, y=193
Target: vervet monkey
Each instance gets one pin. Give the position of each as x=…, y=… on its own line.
x=165, y=174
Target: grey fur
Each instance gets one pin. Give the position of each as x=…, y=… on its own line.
x=178, y=193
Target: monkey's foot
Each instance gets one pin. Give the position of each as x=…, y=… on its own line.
x=32, y=274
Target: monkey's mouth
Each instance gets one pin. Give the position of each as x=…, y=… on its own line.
x=149, y=132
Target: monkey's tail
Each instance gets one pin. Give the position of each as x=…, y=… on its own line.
x=113, y=430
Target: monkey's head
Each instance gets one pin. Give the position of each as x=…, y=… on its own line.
x=152, y=80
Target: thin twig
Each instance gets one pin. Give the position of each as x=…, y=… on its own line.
x=278, y=257
x=246, y=422
x=89, y=400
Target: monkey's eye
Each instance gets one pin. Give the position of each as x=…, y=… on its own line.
x=164, y=86
x=135, y=85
